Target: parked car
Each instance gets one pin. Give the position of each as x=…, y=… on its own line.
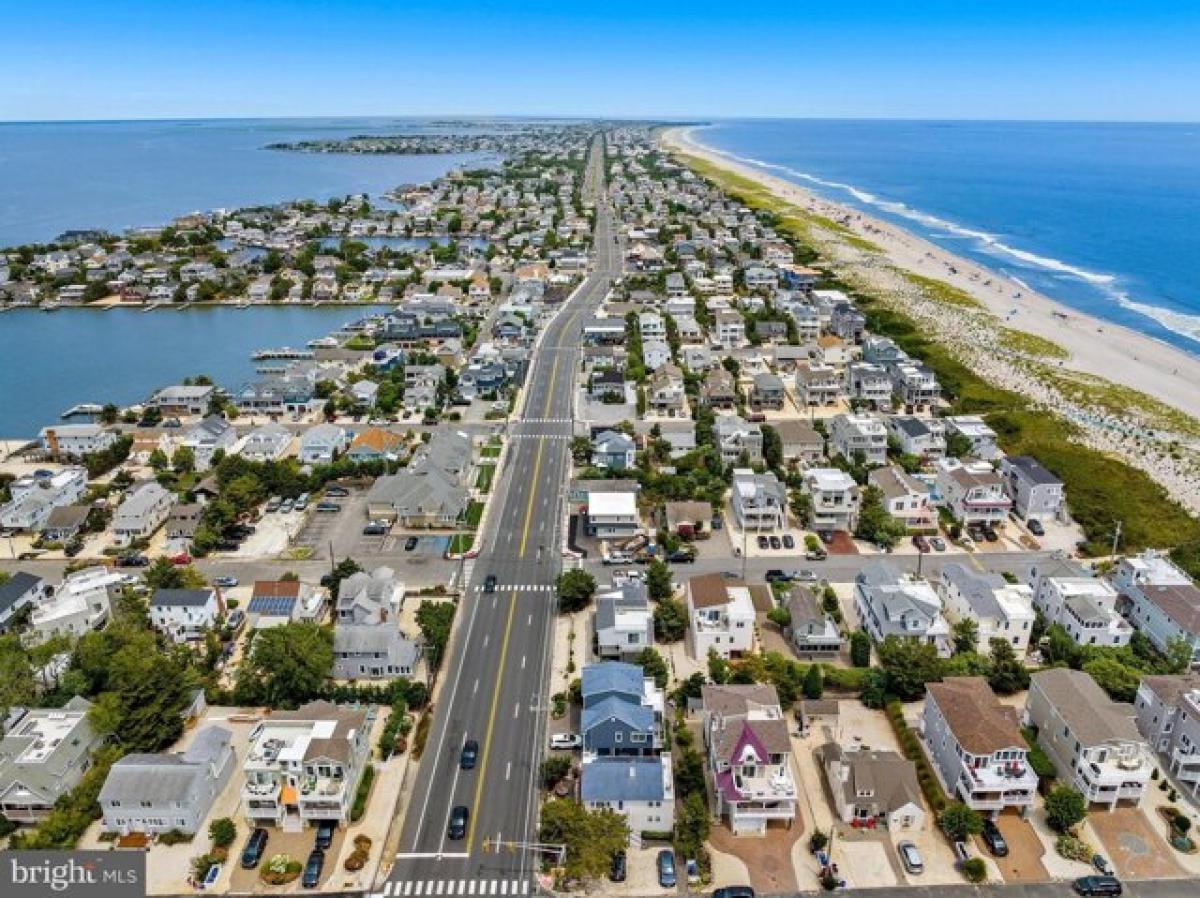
x=301, y=502
x=410, y=544
x=962, y=854
x=489, y=583
x=458, y=823
x=336, y=491
x=274, y=503
x=181, y=559
x=235, y=619
x=1035, y=527
x=566, y=741
x=911, y=858
x=921, y=543
x=816, y=555
x=939, y=544
x=328, y=507
x=806, y=576
x=990, y=534
x=1102, y=865
x=717, y=523
x=788, y=541
x=288, y=506
x=255, y=846
x=763, y=542
x=734, y=892
x=325, y=831
x=775, y=575
x=666, y=869
x=618, y=869
x=1106, y=886
x=682, y=556
x=374, y=529
x=312, y=869
x=225, y=582
x=994, y=839
x=133, y=561
x=470, y=754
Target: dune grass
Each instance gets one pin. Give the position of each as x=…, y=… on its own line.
x=1031, y=344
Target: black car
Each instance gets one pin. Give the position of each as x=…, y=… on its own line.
x=788, y=542
x=734, y=892
x=410, y=544
x=681, y=557
x=470, y=754
x=133, y=561
x=1105, y=886
x=458, y=823
x=774, y=541
x=312, y=869
x=1035, y=527
x=489, y=583
x=325, y=831
x=618, y=869
x=255, y=846
x=374, y=530
x=775, y=575
x=994, y=839
x=763, y=542
x=336, y=491
x=328, y=507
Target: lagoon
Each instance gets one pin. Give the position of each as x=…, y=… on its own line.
x=52, y=361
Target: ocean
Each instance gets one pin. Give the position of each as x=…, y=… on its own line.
x=1104, y=218
x=58, y=176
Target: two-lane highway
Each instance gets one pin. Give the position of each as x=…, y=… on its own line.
x=496, y=686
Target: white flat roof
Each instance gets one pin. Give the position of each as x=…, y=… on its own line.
x=612, y=504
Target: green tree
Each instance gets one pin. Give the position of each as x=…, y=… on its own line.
x=670, y=620
x=692, y=825
x=780, y=616
x=1119, y=680
x=288, y=665
x=658, y=581
x=222, y=832
x=158, y=460
x=875, y=524
x=435, y=620
x=591, y=838
x=183, y=460
x=814, y=682
x=17, y=685
x=1064, y=808
x=958, y=821
x=1008, y=674
x=908, y=665
x=575, y=590
x=966, y=635
x=653, y=665
x=860, y=648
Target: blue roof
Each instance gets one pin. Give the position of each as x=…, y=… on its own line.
x=272, y=606
x=612, y=676
x=636, y=716
x=622, y=779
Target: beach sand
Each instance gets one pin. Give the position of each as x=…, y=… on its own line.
x=1096, y=347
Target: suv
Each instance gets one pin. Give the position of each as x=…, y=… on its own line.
x=489, y=583
x=470, y=754
x=312, y=869
x=911, y=858
x=1097, y=886
x=255, y=846
x=734, y=892
x=325, y=831
x=993, y=839
x=566, y=741
x=666, y=869
x=617, y=871
x=775, y=575
x=458, y=823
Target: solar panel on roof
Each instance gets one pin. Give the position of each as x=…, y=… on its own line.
x=272, y=606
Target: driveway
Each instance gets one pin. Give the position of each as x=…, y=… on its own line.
x=1024, y=861
x=768, y=858
x=1133, y=844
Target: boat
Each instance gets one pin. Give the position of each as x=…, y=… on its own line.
x=323, y=343
x=50, y=305
x=284, y=352
x=88, y=409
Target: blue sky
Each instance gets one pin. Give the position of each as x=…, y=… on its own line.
x=920, y=58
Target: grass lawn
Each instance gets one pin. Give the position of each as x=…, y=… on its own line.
x=489, y=452
x=487, y=474
x=474, y=513
x=460, y=542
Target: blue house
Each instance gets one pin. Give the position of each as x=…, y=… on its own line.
x=641, y=789
x=613, y=450
x=622, y=710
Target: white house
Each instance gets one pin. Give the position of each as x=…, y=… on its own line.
x=613, y=515
x=1164, y=603
x=76, y=440
x=33, y=497
x=624, y=623
x=267, y=443
x=891, y=603
x=142, y=512
x=981, y=437
x=322, y=443
x=641, y=789
x=972, y=491
x=834, y=496
x=859, y=435
x=185, y=615
x=1168, y=715
x=206, y=437
x=720, y=616
x=1000, y=610
x=81, y=603
x=1083, y=606
x=759, y=500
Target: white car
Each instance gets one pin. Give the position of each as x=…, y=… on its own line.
x=566, y=741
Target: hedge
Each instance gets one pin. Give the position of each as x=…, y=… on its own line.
x=360, y=797
x=911, y=745
x=1039, y=761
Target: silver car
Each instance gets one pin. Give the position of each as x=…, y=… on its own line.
x=911, y=858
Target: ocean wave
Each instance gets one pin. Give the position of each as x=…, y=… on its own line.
x=1177, y=322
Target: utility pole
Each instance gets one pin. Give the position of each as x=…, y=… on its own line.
x=1116, y=538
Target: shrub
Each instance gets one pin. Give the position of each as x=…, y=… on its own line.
x=174, y=837
x=281, y=869
x=1073, y=848
x=911, y=746
x=360, y=797
x=974, y=870
x=860, y=649
x=1064, y=808
x=222, y=832
x=817, y=841
x=958, y=821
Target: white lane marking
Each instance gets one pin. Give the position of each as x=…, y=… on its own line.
x=471, y=887
x=420, y=888
x=475, y=689
x=462, y=887
x=486, y=637
x=522, y=662
x=517, y=711
x=529, y=622
x=408, y=888
x=492, y=887
x=504, y=887
x=508, y=771
x=525, y=887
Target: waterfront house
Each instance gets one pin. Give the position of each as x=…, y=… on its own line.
x=749, y=756
x=980, y=437
x=76, y=440
x=1035, y=492
x=1091, y=740
x=924, y=438
x=891, y=603
x=142, y=512
x=1162, y=601
x=211, y=434
x=1085, y=607
x=159, y=793
x=1168, y=716
x=267, y=443
x=43, y=755
x=858, y=436
x=185, y=615
x=873, y=788
x=721, y=616
x=183, y=399
x=304, y=766
x=624, y=624
x=622, y=710
x=1000, y=610
x=976, y=746
x=972, y=492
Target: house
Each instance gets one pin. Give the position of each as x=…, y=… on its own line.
x=183, y=521
x=277, y=396
x=17, y=593
x=185, y=615
x=267, y=443
x=924, y=438
x=1035, y=492
x=972, y=492
x=1085, y=607
x=419, y=496
x=749, y=756
x=720, y=616
x=363, y=392
x=81, y=603
x=143, y=511
x=612, y=515
x=698, y=358
x=768, y=391
x=33, y=498
x=665, y=395
x=719, y=389
x=914, y=383
x=730, y=329
x=322, y=443
x=613, y=450
x=76, y=440
x=688, y=520
x=759, y=501
x=1168, y=716
x=905, y=498
x=183, y=399
x=859, y=436
x=375, y=444
x=641, y=789
x=1162, y=601
x=873, y=788
x=812, y=632
x=976, y=746
x=817, y=384
x=1093, y=741
x=622, y=710
x=624, y=624
x=1000, y=610
x=154, y=794
x=606, y=385
x=869, y=383
x=277, y=602
x=890, y=603
x=740, y=441
x=834, y=498
x=304, y=766
x=206, y=437
x=800, y=441
x=65, y=523
x=656, y=354
x=43, y=755
x=368, y=643
x=978, y=435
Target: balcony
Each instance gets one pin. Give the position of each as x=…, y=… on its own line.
x=1014, y=778
x=265, y=791
x=772, y=784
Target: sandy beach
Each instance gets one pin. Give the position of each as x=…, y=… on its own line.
x=1096, y=347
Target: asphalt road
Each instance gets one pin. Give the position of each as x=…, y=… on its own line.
x=496, y=675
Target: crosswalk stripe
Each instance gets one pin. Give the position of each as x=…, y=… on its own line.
x=420, y=888
x=462, y=887
x=492, y=887
x=408, y=887
x=471, y=887
x=389, y=889
x=525, y=887
x=441, y=884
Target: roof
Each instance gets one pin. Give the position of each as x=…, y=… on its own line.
x=1169, y=688
x=1086, y=708
x=612, y=504
x=1031, y=469
x=624, y=779
x=979, y=589
x=336, y=745
x=612, y=676
x=709, y=590
x=1181, y=603
x=274, y=598
x=180, y=598
x=161, y=779
x=67, y=517
x=15, y=587
x=978, y=720
x=880, y=778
